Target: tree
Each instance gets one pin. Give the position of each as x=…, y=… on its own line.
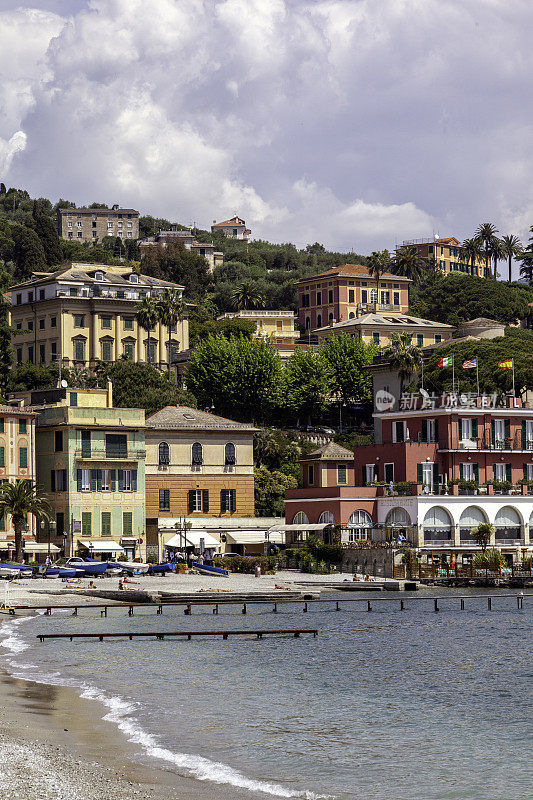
x=238, y=377
x=481, y=534
x=472, y=252
x=245, y=296
x=20, y=499
x=409, y=263
x=6, y=350
x=307, y=381
x=269, y=490
x=486, y=235
x=47, y=233
x=184, y=267
x=29, y=255
x=347, y=356
x=137, y=385
x=378, y=264
x=526, y=268
x=404, y=357
x=147, y=315
x=511, y=248
x=198, y=331
x=171, y=310
x=26, y=377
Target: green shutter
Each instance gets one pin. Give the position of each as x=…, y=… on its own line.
x=424, y=430
x=23, y=426
x=435, y=477
x=474, y=428
x=2, y=425
x=73, y=399
x=476, y=472
x=86, y=523
x=493, y=433
x=419, y=473
x=437, y=430
x=524, y=469
x=106, y=523
x=2, y=457
x=127, y=523
x=2, y=520
x=524, y=436
x=461, y=471
x=507, y=428
x=23, y=456
x=494, y=472
x=508, y=472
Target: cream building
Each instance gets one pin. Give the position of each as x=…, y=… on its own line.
x=234, y=228
x=278, y=326
x=378, y=328
x=86, y=313
x=93, y=224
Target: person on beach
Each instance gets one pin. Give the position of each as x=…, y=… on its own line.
x=201, y=558
x=91, y=585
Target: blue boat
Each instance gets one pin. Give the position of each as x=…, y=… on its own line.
x=88, y=567
x=154, y=569
x=206, y=570
x=20, y=567
x=60, y=572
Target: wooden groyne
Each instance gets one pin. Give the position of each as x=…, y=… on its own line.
x=294, y=632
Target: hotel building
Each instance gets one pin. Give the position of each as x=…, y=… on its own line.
x=93, y=224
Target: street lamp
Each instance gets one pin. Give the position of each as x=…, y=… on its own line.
x=51, y=532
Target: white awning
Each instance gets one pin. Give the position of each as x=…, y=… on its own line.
x=254, y=537
x=101, y=546
x=40, y=547
x=314, y=526
x=192, y=539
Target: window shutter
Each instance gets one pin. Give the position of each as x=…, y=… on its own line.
x=476, y=472
x=435, y=475
x=507, y=428
x=98, y=480
x=223, y=504
x=493, y=432
x=474, y=428
x=53, y=480
x=205, y=499
x=113, y=479
x=121, y=480
x=461, y=429
x=436, y=430
x=494, y=472
x=364, y=476
x=78, y=477
x=134, y=480
x=508, y=472
x=64, y=475
x=419, y=473
x=191, y=499
x=461, y=471
x=94, y=480
x=424, y=430
x=524, y=435
x=2, y=457
x=524, y=469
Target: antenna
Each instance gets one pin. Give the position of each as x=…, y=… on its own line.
x=424, y=393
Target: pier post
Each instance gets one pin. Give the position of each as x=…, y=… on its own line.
x=187, y=610
x=130, y=611
x=402, y=606
x=159, y=610
x=244, y=608
x=305, y=607
x=436, y=604
x=275, y=609
x=369, y=605
x=337, y=606
x=462, y=604
x=489, y=603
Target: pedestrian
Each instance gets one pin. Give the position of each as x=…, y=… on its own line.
x=201, y=558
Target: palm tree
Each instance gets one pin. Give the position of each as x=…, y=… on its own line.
x=404, y=357
x=409, y=263
x=497, y=255
x=511, y=248
x=472, y=251
x=245, y=296
x=147, y=315
x=486, y=235
x=20, y=499
x=171, y=309
x=378, y=265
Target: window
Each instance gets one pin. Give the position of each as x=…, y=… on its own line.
x=373, y=295
x=150, y=353
x=300, y=518
x=229, y=453
x=41, y=324
x=127, y=523
x=58, y=441
x=396, y=298
x=53, y=322
x=53, y=351
x=420, y=340
x=128, y=350
x=86, y=444
x=69, y=224
x=130, y=224
x=319, y=298
x=19, y=355
x=134, y=278
x=385, y=298
x=438, y=338
x=106, y=351
x=351, y=295
x=319, y=321
x=128, y=323
x=73, y=399
x=2, y=425
x=18, y=299
x=164, y=453
x=119, y=225
x=197, y=453
x=359, y=526
x=389, y=473
x=105, y=480
x=398, y=430
x=30, y=354
x=30, y=325
x=198, y=500
x=127, y=480
x=228, y=500
x=375, y=337
x=109, y=224
x=86, y=523
x=467, y=471
x=84, y=480
x=2, y=457
x=106, y=523
x=23, y=426
x=310, y=474
x=78, y=321
x=79, y=350
x=80, y=235
x=30, y=297
x=341, y=473
x=116, y=445
x=164, y=499
x=73, y=291
x=106, y=322
x=19, y=326
x=330, y=296
x=502, y=472
x=370, y=473
x=42, y=353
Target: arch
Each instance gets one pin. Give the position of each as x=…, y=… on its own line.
x=397, y=517
x=300, y=518
x=229, y=453
x=331, y=318
x=438, y=525
x=319, y=321
x=164, y=453
x=351, y=315
x=326, y=518
x=359, y=525
x=507, y=517
x=471, y=517
x=197, y=453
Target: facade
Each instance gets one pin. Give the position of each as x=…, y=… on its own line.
x=277, y=326
x=86, y=313
x=379, y=328
x=206, y=249
x=198, y=466
x=347, y=292
x=92, y=224
x=17, y=462
x=234, y=228
x=448, y=256
x=90, y=461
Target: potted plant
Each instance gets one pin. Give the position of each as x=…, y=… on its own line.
x=502, y=487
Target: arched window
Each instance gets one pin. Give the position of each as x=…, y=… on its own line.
x=397, y=517
x=229, y=453
x=134, y=278
x=326, y=518
x=99, y=276
x=351, y=315
x=359, y=526
x=373, y=295
x=197, y=453
x=470, y=518
x=164, y=453
x=300, y=518
x=508, y=523
x=319, y=321
x=331, y=318
x=437, y=525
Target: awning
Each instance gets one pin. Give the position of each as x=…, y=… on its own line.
x=310, y=526
x=40, y=547
x=101, y=546
x=192, y=539
x=254, y=537
x=128, y=540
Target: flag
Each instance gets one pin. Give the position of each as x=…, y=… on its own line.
x=470, y=363
x=506, y=364
x=447, y=361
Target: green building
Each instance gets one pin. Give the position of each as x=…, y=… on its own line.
x=90, y=461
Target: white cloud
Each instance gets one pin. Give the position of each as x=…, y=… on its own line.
x=350, y=122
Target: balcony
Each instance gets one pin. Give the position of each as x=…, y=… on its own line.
x=509, y=444
x=103, y=454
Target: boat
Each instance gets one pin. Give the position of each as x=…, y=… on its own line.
x=204, y=569
x=59, y=572
x=155, y=569
x=131, y=567
x=88, y=567
x=19, y=567
x=9, y=572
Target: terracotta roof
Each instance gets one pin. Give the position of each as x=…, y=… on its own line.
x=483, y=321
x=185, y=418
x=330, y=451
x=235, y=222
x=351, y=270
x=16, y=410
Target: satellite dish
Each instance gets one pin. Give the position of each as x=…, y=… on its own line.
x=64, y=384
x=424, y=393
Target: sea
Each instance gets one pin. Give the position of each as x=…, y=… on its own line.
x=387, y=705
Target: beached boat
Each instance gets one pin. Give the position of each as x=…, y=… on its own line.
x=9, y=572
x=88, y=567
x=204, y=569
x=19, y=567
x=59, y=572
x=154, y=569
x=131, y=567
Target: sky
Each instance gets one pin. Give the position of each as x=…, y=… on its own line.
x=355, y=123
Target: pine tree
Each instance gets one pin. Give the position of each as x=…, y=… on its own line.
x=47, y=233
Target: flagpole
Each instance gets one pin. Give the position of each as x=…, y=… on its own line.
x=453, y=374
x=512, y=362
x=422, y=372
x=477, y=375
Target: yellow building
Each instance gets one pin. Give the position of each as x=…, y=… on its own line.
x=86, y=313
x=278, y=326
x=17, y=462
x=378, y=328
x=448, y=256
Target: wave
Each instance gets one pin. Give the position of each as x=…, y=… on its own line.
x=121, y=713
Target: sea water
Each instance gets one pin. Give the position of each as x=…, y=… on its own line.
x=402, y=705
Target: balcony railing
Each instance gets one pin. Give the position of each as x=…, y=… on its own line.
x=515, y=442
x=95, y=454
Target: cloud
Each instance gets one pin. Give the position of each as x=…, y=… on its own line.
x=350, y=122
